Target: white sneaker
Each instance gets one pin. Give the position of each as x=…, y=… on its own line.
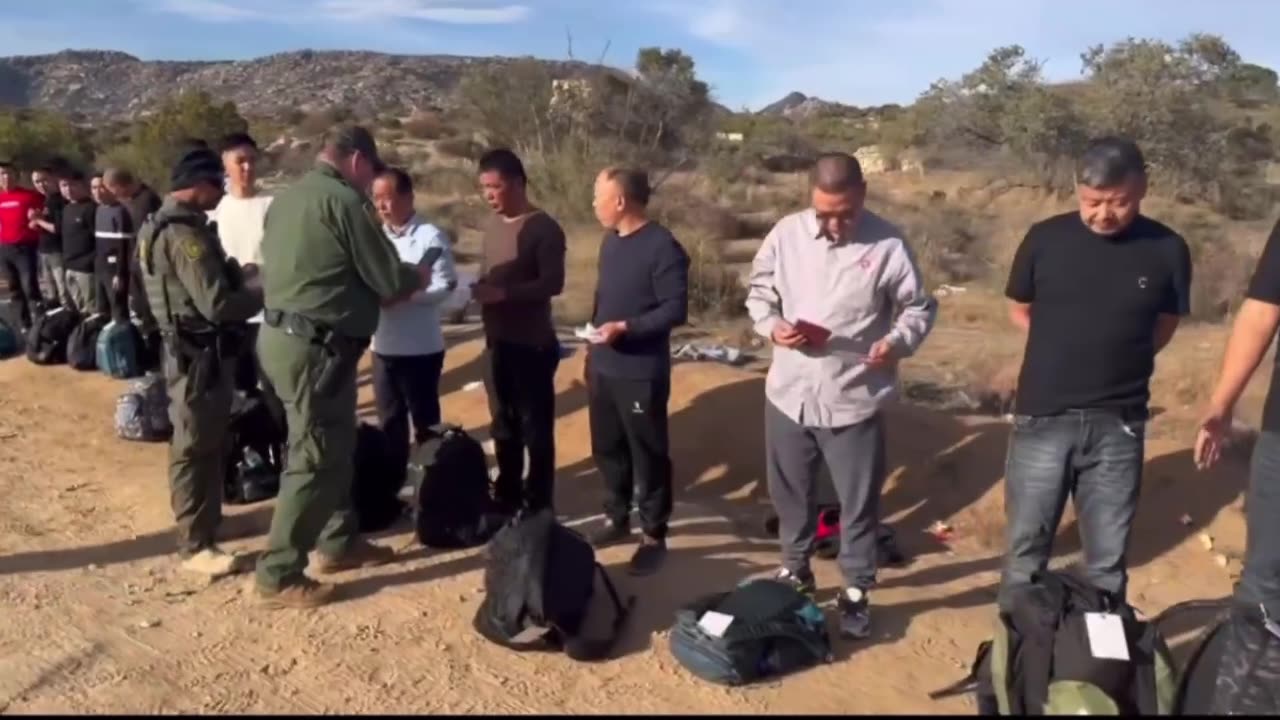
x=214, y=563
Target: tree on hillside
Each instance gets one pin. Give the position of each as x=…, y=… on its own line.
x=1002, y=106
x=1252, y=85
x=566, y=128
x=157, y=140
x=31, y=138
x=1160, y=96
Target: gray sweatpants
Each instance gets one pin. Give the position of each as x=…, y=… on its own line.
x=855, y=458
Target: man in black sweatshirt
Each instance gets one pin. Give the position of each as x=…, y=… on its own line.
x=140, y=201
x=641, y=296
x=79, y=247
x=114, y=232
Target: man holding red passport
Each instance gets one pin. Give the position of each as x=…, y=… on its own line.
x=838, y=291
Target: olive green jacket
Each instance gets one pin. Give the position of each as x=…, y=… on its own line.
x=187, y=274
x=325, y=257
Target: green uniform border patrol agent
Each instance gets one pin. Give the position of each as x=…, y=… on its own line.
x=327, y=271
x=203, y=305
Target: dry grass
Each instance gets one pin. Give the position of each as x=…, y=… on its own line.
x=426, y=126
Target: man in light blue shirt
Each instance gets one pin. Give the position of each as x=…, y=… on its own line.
x=408, y=347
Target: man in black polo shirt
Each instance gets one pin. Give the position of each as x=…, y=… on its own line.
x=1258, y=590
x=641, y=295
x=1100, y=292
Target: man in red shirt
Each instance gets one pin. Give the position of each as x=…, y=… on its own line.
x=19, y=238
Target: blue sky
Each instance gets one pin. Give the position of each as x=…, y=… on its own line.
x=752, y=52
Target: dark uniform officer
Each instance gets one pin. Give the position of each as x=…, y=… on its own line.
x=203, y=305
x=327, y=269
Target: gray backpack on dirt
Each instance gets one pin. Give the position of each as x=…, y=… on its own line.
x=142, y=411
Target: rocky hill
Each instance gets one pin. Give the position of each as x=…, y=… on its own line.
x=96, y=84
x=797, y=105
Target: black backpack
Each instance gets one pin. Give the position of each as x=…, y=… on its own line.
x=1040, y=661
x=47, y=341
x=257, y=452
x=375, y=489
x=82, y=344
x=10, y=338
x=1235, y=666
x=539, y=583
x=772, y=630
x=453, y=507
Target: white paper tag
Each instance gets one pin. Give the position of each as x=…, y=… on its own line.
x=715, y=624
x=1107, y=640
x=530, y=634
x=111, y=259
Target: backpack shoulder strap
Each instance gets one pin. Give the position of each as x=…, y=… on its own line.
x=585, y=649
x=967, y=682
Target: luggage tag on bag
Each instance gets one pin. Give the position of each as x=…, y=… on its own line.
x=531, y=634
x=715, y=624
x=1107, y=640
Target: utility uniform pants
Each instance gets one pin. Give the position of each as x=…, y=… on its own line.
x=313, y=509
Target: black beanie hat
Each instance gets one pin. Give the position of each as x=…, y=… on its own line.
x=198, y=164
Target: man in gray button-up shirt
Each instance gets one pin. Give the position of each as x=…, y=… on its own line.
x=837, y=290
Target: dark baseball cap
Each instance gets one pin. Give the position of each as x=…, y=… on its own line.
x=355, y=138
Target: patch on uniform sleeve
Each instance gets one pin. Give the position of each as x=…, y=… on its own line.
x=193, y=249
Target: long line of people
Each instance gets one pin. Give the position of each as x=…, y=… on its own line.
x=835, y=288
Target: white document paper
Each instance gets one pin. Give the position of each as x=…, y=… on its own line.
x=715, y=624
x=587, y=332
x=1107, y=640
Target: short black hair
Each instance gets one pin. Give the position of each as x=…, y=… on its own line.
x=7, y=165
x=836, y=172
x=1110, y=161
x=504, y=162
x=236, y=140
x=47, y=170
x=97, y=175
x=73, y=175
x=633, y=182
x=403, y=182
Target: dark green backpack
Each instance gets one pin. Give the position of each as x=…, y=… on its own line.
x=1040, y=663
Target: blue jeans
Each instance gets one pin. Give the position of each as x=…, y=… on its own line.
x=1094, y=456
x=1260, y=579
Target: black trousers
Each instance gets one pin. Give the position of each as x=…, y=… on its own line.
x=520, y=382
x=141, y=305
x=22, y=273
x=630, y=447
x=250, y=378
x=111, y=302
x=406, y=387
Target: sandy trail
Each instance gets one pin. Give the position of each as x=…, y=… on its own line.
x=96, y=618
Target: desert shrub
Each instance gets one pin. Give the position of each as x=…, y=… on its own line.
x=461, y=147
x=157, y=140
x=715, y=290
x=426, y=126
x=444, y=180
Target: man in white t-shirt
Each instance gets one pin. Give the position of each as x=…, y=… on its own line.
x=240, y=217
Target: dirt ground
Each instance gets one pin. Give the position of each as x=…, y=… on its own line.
x=96, y=617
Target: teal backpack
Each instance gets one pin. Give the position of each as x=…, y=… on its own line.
x=761, y=630
x=118, y=345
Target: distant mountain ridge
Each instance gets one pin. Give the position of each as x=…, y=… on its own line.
x=94, y=84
